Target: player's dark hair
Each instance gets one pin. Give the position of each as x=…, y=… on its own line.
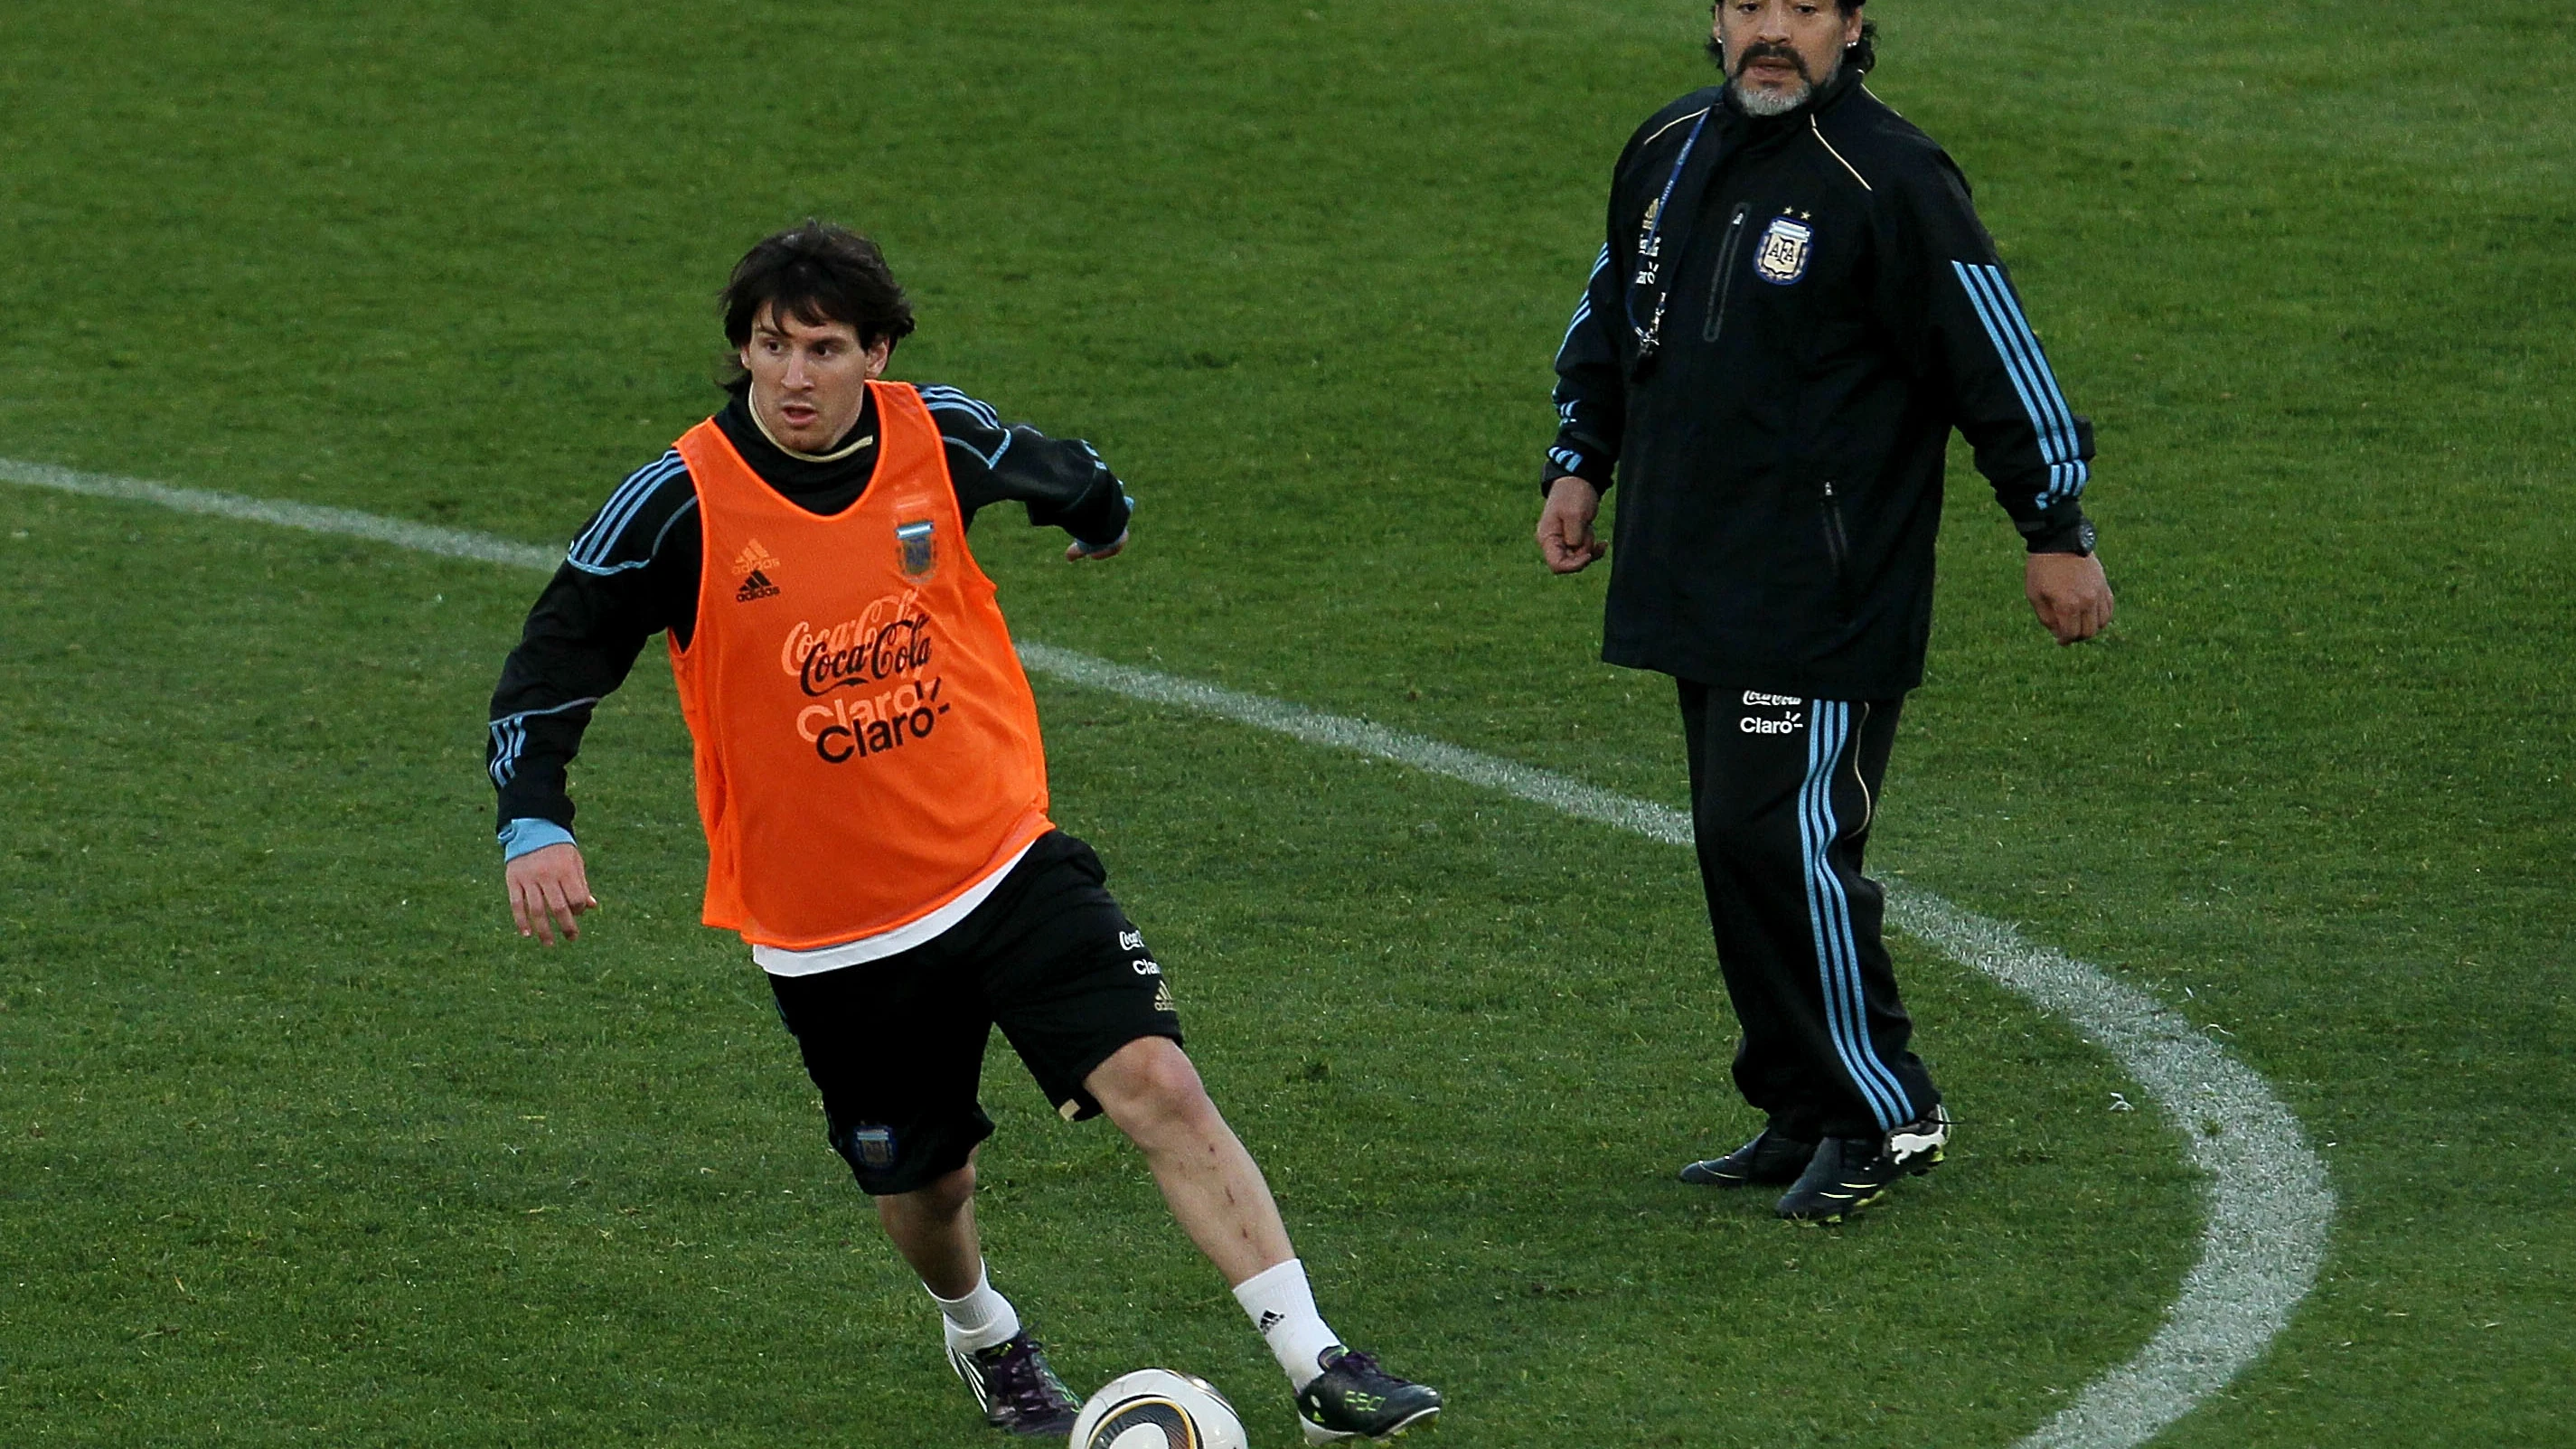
x=817, y=273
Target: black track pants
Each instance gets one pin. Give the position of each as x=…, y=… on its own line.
x=1782, y=794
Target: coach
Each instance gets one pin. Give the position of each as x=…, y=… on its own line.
x=1795, y=305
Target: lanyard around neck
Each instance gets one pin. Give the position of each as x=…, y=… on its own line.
x=1650, y=243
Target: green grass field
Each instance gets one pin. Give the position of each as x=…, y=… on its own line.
x=299, y=1144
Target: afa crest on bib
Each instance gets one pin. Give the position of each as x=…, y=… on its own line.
x=916, y=547
x=1781, y=257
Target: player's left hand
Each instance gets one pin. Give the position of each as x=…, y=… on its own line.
x=1076, y=551
x=549, y=889
x=2069, y=593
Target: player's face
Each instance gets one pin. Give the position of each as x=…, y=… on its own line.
x=808, y=379
x=1776, y=52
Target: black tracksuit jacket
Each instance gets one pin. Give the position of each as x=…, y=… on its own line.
x=1831, y=308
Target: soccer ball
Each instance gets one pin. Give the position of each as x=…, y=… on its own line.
x=1158, y=1409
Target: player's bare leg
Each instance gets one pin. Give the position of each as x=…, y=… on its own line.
x=933, y=1227
x=1219, y=1197
x=1214, y=1187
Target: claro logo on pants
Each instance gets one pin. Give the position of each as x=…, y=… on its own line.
x=1787, y=724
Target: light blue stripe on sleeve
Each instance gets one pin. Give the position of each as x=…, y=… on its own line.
x=2073, y=486
x=1583, y=308
x=590, y=552
x=2027, y=365
x=510, y=736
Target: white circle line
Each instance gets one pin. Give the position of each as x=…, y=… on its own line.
x=2269, y=1205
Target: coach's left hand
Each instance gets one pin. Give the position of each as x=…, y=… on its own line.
x=2069, y=593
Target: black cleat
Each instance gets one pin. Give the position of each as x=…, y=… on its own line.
x=1355, y=1399
x=1018, y=1392
x=1850, y=1173
x=1771, y=1157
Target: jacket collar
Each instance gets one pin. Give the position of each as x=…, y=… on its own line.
x=799, y=476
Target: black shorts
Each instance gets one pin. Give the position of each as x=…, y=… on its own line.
x=897, y=1045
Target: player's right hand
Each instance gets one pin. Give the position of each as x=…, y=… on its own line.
x=1565, y=526
x=1077, y=551
x=548, y=891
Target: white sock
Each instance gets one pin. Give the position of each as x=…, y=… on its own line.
x=979, y=1320
x=1282, y=1306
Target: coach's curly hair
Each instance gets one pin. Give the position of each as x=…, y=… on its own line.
x=816, y=273
x=1863, y=54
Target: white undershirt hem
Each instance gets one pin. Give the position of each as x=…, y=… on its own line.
x=778, y=961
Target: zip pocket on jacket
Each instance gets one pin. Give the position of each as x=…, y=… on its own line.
x=1837, y=543
x=1721, y=287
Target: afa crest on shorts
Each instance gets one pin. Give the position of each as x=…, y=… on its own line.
x=1781, y=256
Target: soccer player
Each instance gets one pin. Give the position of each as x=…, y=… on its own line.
x=874, y=795
x=1793, y=307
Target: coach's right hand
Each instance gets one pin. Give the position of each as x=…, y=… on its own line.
x=1565, y=526
x=548, y=891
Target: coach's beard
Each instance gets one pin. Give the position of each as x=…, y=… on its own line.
x=1758, y=102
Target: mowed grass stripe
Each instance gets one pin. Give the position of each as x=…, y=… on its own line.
x=2269, y=1205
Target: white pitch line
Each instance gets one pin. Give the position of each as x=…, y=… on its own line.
x=2269, y=1205
x=311, y=517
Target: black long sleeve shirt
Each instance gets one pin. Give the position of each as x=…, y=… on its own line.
x=633, y=571
x=1824, y=307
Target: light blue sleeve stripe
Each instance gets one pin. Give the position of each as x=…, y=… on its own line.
x=604, y=570
x=1583, y=308
x=940, y=398
x=2019, y=349
x=510, y=736
x=524, y=835
x=683, y=511
x=2038, y=355
x=629, y=496
x=976, y=454
x=2047, y=403
x=1582, y=314
x=2016, y=364
x=2056, y=397
x=589, y=552
x=2028, y=369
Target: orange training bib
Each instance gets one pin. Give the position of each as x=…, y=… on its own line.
x=867, y=746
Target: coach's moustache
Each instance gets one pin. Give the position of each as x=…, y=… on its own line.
x=1766, y=50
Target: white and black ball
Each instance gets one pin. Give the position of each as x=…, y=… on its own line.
x=1158, y=1409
